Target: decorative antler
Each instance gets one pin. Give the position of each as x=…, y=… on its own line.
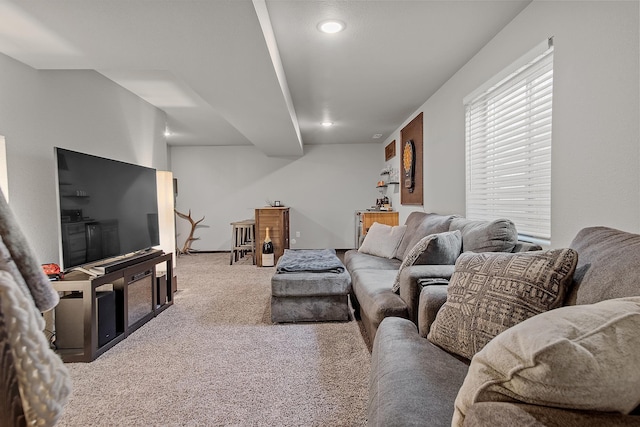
x=186, y=249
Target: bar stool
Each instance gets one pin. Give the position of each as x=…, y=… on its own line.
x=243, y=240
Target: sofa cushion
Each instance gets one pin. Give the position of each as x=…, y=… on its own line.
x=373, y=290
x=499, y=235
x=412, y=382
x=355, y=260
x=490, y=292
x=382, y=240
x=434, y=249
x=607, y=265
x=419, y=225
x=580, y=357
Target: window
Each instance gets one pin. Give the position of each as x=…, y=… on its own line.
x=508, y=145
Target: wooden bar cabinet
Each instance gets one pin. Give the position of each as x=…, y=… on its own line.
x=277, y=219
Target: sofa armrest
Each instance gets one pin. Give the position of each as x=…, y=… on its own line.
x=410, y=287
x=412, y=382
x=522, y=246
x=497, y=414
x=432, y=298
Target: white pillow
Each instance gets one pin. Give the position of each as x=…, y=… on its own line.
x=382, y=240
x=583, y=357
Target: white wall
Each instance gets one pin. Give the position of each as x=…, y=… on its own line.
x=596, y=126
x=323, y=189
x=78, y=110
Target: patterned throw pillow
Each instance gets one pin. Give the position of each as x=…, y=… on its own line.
x=490, y=292
x=434, y=249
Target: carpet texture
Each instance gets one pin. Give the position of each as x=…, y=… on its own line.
x=214, y=358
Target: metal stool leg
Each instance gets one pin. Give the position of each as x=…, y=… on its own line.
x=233, y=243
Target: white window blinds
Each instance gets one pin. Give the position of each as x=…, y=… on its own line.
x=508, y=147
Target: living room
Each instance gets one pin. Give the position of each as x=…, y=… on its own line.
x=595, y=154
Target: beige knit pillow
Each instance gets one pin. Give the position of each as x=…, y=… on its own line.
x=382, y=240
x=490, y=292
x=584, y=357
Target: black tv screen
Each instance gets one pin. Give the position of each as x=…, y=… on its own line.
x=107, y=208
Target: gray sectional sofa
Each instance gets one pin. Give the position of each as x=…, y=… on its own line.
x=576, y=378
x=372, y=277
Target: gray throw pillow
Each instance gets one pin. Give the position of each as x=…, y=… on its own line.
x=499, y=235
x=434, y=249
x=490, y=292
x=420, y=225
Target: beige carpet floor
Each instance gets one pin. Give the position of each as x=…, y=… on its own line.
x=214, y=358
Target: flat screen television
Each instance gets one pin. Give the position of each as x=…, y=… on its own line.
x=107, y=208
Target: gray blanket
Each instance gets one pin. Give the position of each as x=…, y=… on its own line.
x=309, y=261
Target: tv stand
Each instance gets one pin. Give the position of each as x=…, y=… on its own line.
x=142, y=289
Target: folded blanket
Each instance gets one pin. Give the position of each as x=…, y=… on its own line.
x=10, y=401
x=43, y=379
x=8, y=264
x=43, y=294
x=309, y=261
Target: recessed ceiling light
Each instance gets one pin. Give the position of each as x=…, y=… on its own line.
x=377, y=135
x=327, y=124
x=331, y=26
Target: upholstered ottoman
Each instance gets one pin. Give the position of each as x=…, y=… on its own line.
x=309, y=286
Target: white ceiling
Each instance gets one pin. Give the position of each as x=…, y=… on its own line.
x=240, y=72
